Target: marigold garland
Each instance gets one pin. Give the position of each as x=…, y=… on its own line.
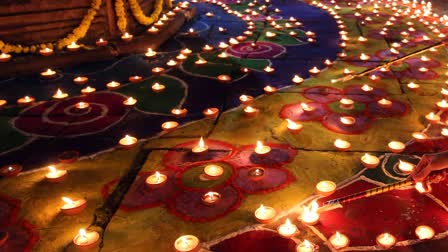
x=141, y=17
x=120, y=11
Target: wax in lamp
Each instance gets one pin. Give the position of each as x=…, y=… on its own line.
x=265, y=214
x=179, y=113
x=157, y=88
x=73, y=47
x=211, y=198
x=309, y=215
x=55, y=175
x=250, y=111
x=342, y=145
x=46, y=51
x=213, y=171
x=307, y=246
x=101, y=42
x=419, y=136
x=347, y=120
x=210, y=113
x=86, y=239
x=88, y=90
x=326, y=187
x=72, y=207
x=126, y=37
x=135, y=79
x=150, y=53
x=156, y=180
x=256, y=173
x=201, y=147
x=26, y=100
x=113, y=85
x=405, y=167
x=424, y=232
x=170, y=125
x=59, y=95
x=385, y=240
x=80, y=80
x=186, y=243
x=370, y=161
x=384, y=103
x=48, y=74
x=396, y=146
x=293, y=127
x=82, y=105
x=287, y=229
x=262, y=149
x=5, y=57
x=127, y=141
x=130, y=102
x=432, y=118
x=339, y=241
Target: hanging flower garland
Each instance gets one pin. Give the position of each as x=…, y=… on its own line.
x=141, y=17
x=77, y=33
x=120, y=11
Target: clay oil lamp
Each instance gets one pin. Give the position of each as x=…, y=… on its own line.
x=210, y=113
x=46, y=51
x=3, y=103
x=444, y=92
x=364, y=57
x=127, y=142
x=186, y=243
x=423, y=69
x=200, y=62
x=48, y=74
x=80, y=80
x=293, y=33
x=293, y=127
x=245, y=70
x=179, y=112
x=209, y=14
x=269, y=90
x=424, y=232
x=200, y=148
x=309, y=215
x=314, y=71
x=211, y=198
x=25, y=101
x=88, y=90
x=170, y=14
x=130, y=102
x=307, y=246
x=347, y=120
x=342, y=145
x=366, y=88
x=156, y=180
x=59, y=95
x=342, y=55
x=270, y=35
x=222, y=29
x=223, y=55
x=347, y=104
x=362, y=39
x=207, y=48
x=172, y=63
x=153, y=30
x=150, y=53
x=192, y=33
x=5, y=57
x=86, y=239
x=233, y=41
x=101, y=42
x=419, y=137
x=310, y=34
x=385, y=240
x=159, y=24
x=55, y=175
x=396, y=146
x=73, y=47
x=72, y=207
x=157, y=88
x=158, y=70
x=432, y=118
x=370, y=161
x=261, y=149
x=265, y=214
x=412, y=86
x=287, y=229
x=384, y=103
x=213, y=172
x=113, y=85
x=328, y=63
x=297, y=80
x=256, y=173
x=241, y=38
x=246, y=99
x=169, y=126
x=186, y=51
x=339, y=241
x=347, y=72
x=126, y=37
x=442, y=105
x=224, y=78
x=223, y=45
x=269, y=70
x=325, y=188
x=307, y=108
x=374, y=78
x=250, y=111
x=10, y=170
x=405, y=167
x=135, y=79
x=81, y=106
x=181, y=57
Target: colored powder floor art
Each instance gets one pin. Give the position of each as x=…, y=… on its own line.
x=323, y=107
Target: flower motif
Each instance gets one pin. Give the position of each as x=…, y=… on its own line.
x=356, y=117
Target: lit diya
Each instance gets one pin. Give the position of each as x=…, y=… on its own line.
x=172, y=63
x=246, y=99
x=442, y=105
x=192, y=33
x=80, y=80
x=262, y=149
x=224, y=78
x=153, y=30
x=127, y=141
x=293, y=127
x=210, y=113
x=170, y=125
x=211, y=198
x=88, y=90
x=213, y=171
x=25, y=101
x=432, y=118
x=342, y=145
x=86, y=239
x=370, y=161
x=10, y=170
x=150, y=53
x=424, y=232
x=157, y=88
x=256, y=173
x=366, y=88
x=201, y=147
x=250, y=111
x=270, y=35
x=419, y=137
x=405, y=167
x=207, y=48
x=3, y=103
x=73, y=47
x=412, y=86
x=101, y=42
x=328, y=63
x=59, y=95
x=385, y=240
x=326, y=188
x=156, y=180
x=82, y=105
x=157, y=70
x=309, y=215
x=200, y=62
x=339, y=241
x=179, y=112
x=384, y=103
x=186, y=243
x=297, y=80
x=48, y=74
x=72, y=207
x=126, y=37
x=347, y=120
x=186, y=51
x=55, y=175
x=306, y=107
x=130, y=102
x=181, y=57
x=46, y=51
x=396, y=146
x=113, y=85
x=307, y=246
x=265, y=214
x=269, y=90
x=5, y=57
x=269, y=70
x=135, y=79
x=314, y=71
x=287, y=229
x=345, y=103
